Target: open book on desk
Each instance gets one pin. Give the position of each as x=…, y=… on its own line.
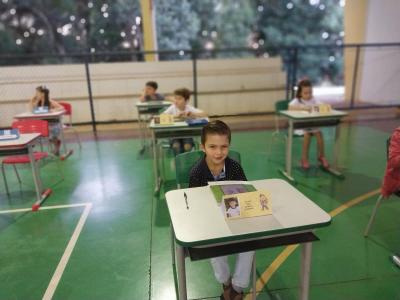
x=240, y=199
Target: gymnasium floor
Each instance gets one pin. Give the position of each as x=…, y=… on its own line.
x=104, y=235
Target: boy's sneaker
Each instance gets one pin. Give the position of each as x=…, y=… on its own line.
x=235, y=295
x=324, y=162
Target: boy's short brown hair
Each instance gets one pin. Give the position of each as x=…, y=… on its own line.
x=152, y=84
x=183, y=92
x=215, y=127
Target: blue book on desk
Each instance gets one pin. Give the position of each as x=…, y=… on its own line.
x=9, y=134
x=41, y=110
x=196, y=122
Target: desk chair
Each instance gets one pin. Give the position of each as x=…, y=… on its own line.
x=279, y=105
x=379, y=200
x=25, y=126
x=184, y=163
x=68, y=125
x=165, y=149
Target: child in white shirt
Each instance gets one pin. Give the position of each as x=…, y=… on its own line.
x=181, y=108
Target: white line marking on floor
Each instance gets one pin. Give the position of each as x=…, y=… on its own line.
x=67, y=253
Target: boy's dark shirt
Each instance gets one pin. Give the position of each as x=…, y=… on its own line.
x=155, y=97
x=200, y=174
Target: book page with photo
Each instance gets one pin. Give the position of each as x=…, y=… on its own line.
x=247, y=205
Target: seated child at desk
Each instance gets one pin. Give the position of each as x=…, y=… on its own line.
x=149, y=92
x=42, y=99
x=217, y=166
x=305, y=101
x=182, y=109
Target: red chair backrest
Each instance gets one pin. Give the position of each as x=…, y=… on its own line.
x=32, y=126
x=67, y=108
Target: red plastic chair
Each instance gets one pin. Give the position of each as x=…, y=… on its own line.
x=68, y=125
x=25, y=126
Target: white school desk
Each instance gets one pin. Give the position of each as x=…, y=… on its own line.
x=24, y=145
x=148, y=108
x=52, y=116
x=303, y=119
x=201, y=231
x=177, y=130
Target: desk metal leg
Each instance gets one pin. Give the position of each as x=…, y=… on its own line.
x=373, y=215
x=288, y=164
x=141, y=132
x=172, y=245
x=157, y=180
x=254, y=293
x=180, y=261
x=174, y=262
x=336, y=147
x=305, y=270
x=66, y=152
x=35, y=173
x=334, y=169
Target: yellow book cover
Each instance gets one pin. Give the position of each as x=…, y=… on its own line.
x=325, y=108
x=166, y=119
x=247, y=205
x=321, y=108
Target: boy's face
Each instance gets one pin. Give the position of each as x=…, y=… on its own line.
x=180, y=102
x=232, y=204
x=216, y=148
x=149, y=90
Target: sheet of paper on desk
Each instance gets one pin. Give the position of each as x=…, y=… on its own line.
x=229, y=188
x=247, y=205
x=41, y=110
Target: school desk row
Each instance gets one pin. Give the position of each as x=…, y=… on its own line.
x=296, y=120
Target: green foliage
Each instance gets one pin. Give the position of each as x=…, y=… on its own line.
x=305, y=24
x=82, y=25
x=176, y=25
x=69, y=26
x=224, y=24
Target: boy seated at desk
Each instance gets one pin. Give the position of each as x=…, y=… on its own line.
x=42, y=99
x=217, y=166
x=181, y=109
x=149, y=92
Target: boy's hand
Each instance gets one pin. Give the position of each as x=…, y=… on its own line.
x=191, y=115
x=35, y=101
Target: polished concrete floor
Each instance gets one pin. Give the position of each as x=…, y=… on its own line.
x=122, y=249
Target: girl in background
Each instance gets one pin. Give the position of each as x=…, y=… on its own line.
x=305, y=101
x=42, y=99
